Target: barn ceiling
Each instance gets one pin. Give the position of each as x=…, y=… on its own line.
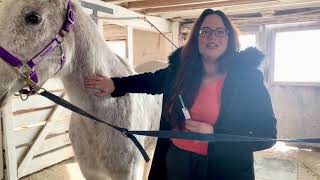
x=240, y=11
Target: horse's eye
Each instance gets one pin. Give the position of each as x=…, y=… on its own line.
x=33, y=18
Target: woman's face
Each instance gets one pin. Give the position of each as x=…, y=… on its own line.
x=213, y=38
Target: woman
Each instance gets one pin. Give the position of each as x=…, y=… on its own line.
x=225, y=94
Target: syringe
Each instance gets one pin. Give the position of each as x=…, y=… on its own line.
x=184, y=109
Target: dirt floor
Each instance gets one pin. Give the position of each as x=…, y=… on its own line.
x=279, y=163
x=66, y=170
x=287, y=163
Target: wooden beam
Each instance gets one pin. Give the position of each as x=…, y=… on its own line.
x=165, y=3
x=96, y=7
x=115, y=32
x=9, y=141
x=175, y=28
x=271, y=6
x=267, y=20
x=276, y=19
x=120, y=17
x=203, y=5
x=244, y=8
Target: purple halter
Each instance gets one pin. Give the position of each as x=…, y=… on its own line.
x=56, y=42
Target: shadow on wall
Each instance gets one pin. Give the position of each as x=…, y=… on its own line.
x=150, y=66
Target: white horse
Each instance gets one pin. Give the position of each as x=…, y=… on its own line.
x=26, y=28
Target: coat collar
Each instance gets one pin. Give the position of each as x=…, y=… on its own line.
x=248, y=58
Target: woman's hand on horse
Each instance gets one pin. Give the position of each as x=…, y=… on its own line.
x=198, y=127
x=103, y=85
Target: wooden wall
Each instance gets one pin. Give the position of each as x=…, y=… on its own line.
x=35, y=133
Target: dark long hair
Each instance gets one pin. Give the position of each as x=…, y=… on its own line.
x=191, y=69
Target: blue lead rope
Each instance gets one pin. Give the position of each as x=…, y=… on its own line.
x=169, y=134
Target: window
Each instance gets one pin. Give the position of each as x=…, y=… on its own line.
x=297, y=56
x=247, y=40
x=118, y=47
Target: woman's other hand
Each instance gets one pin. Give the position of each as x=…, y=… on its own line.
x=102, y=84
x=198, y=127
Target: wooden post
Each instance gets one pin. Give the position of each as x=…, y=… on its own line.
x=130, y=45
x=9, y=142
x=121, y=12
x=175, y=30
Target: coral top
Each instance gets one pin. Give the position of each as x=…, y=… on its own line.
x=206, y=108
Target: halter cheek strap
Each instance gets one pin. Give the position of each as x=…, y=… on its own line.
x=56, y=42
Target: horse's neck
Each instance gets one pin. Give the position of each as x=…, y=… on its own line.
x=92, y=51
x=91, y=55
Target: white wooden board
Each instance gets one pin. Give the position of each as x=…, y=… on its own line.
x=48, y=145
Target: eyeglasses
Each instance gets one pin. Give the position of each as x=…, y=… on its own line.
x=219, y=32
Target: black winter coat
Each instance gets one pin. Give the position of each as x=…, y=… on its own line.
x=246, y=110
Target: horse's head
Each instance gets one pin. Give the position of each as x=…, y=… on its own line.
x=26, y=28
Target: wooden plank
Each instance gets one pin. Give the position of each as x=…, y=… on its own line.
x=270, y=6
x=29, y=117
x=96, y=7
x=24, y=166
x=175, y=29
x=26, y=136
x=120, y=12
x=130, y=45
x=26, y=120
x=48, y=145
x=46, y=160
x=31, y=110
x=277, y=20
x=33, y=101
x=33, y=119
x=114, y=32
x=9, y=142
x=203, y=5
x=165, y=3
x=253, y=7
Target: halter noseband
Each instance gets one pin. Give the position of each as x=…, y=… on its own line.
x=26, y=69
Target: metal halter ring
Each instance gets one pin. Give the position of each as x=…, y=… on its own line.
x=125, y=132
x=26, y=97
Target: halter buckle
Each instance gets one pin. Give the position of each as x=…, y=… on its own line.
x=26, y=78
x=25, y=69
x=28, y=72
x=60, y=37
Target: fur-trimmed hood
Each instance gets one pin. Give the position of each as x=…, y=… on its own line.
x=249, y=58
